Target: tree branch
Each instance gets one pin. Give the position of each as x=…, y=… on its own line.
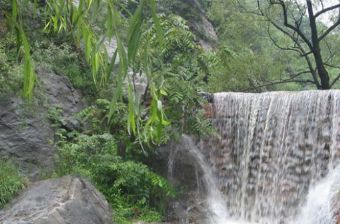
x=326, y=10
x=285, y=22
x=330, y=29
x=276, y=82
x=295, y=49
x=335, y=80
x=288, y=25
x=332, y=66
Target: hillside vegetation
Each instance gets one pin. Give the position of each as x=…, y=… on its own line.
x=141, y=67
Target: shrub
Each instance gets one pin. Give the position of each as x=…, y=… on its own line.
x=10, y=70
x=66, y=60
x=10, y=182
x=133, y=190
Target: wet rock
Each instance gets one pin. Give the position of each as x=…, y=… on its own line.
x=185, y=172
x=66, y=200
x=140, y=222
x=207, y=96
x=208, y=110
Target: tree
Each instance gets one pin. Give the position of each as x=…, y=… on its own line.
x=309, y=36
x=247, y=60
x=75, y=18
x=158, y=50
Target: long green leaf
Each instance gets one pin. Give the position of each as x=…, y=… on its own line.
x=159, y=30
x=131, y=111
x=29, y=74
x=135, y=32
x=123, y=62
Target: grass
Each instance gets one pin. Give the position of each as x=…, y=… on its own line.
x=11, y=182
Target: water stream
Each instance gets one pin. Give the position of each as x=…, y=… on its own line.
x=275, y=160
x=217, y=210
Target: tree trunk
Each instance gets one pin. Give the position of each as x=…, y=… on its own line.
x=322, y=72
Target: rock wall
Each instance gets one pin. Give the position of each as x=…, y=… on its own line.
x=26, y=135
x=198, y=21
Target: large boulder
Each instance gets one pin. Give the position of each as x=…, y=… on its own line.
x=66, y=200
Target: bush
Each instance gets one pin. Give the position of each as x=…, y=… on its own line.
x=66, y=60
x=10, y=182
x=134, y=191
x=10, y=70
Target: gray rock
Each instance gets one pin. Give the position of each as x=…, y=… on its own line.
x=140, y=222
x=111, y=47
x=66, y=200
x=207, y=31
x=183, y=171
x=26, y=135
x=59, y=92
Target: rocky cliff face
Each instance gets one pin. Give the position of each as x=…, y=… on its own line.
x=26, y=135
x=195, y=14
x=27, y=139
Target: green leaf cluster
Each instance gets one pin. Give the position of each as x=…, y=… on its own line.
x=10, y=70
x=134, y=191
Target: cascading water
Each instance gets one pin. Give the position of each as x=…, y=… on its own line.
x=321, y=205
x=217, y=211
x=273, y=149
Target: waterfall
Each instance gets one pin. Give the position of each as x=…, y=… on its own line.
x=321, y=203
x=215, y=201
x=274, y=160
x=217, y=211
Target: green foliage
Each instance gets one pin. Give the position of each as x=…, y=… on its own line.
x=246, y=57
x=140, y=51
x=97, y=122
x=10, y=71
x=29, y=73
x=178, y=76
x=74, y=18
x=23, y=46
x=189, y=10
x=177, y=73
x=66, y=60
x=133, y=190
x=11, y=182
